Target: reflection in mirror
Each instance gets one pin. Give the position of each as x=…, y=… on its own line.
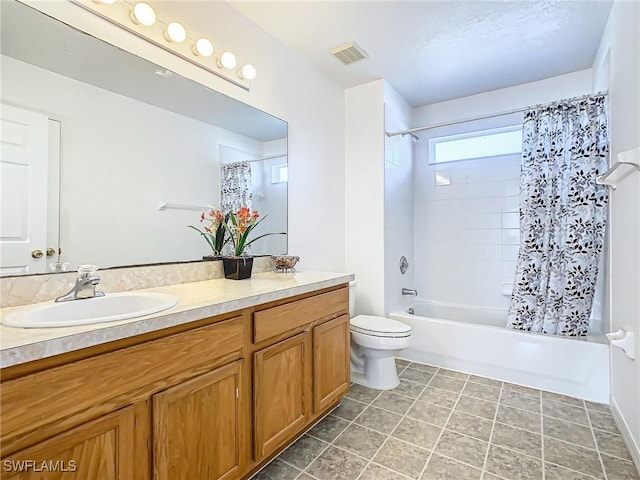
x=95, y=140
x=264, y=180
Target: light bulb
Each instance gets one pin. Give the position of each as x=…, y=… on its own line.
x=203, y=47
x=142, y=13
x=175, y=32
x=247, y=72
x=227, y=60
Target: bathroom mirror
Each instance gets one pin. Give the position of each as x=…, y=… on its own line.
x=107, y=157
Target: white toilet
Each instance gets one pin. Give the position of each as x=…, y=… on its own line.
x=375, y=342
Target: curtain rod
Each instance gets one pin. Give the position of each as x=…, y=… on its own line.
x=271, y=157
x=492, y=115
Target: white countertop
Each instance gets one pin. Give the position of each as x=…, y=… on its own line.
x=197, y=300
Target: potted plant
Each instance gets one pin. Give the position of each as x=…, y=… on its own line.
x=215, y=233
x=239, y=225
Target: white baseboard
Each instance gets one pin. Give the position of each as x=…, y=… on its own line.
x=634, y=450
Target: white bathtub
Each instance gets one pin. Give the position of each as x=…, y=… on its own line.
x=475, y=340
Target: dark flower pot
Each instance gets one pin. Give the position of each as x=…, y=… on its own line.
x=237, y=268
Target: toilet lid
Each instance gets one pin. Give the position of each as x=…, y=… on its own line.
x=379, y=326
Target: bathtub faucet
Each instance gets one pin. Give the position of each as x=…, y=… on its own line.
x=408, y=291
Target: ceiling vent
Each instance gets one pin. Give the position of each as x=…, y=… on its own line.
x=349, y=53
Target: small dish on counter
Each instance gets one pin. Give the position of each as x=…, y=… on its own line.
x=284, y=263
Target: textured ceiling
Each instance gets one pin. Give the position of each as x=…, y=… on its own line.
x=432, y=51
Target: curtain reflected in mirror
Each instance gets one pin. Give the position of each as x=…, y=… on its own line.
x=258, y=183
x=235, y=188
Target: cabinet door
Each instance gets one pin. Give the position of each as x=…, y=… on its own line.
x=331, y=367
x=282, y=390
x=198, y=432
x=101, y=449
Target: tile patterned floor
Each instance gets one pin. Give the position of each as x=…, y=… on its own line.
x=445, y=425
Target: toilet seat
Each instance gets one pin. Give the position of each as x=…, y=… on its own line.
x=379, y=327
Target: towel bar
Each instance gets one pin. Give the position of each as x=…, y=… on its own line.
x=179, y=206
x=630, y=158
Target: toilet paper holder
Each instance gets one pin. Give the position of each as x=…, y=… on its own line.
x=623, y=340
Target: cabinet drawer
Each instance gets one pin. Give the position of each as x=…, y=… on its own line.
x=99, y=384
x=278, y=320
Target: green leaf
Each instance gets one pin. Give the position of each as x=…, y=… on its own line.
x=220, y=240
x=265, y=235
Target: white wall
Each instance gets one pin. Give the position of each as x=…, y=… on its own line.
x=288, y=87
x=398, y=201
x=364, y=190
x=505, y=99
x=110, y=190
x=273, y=196
x=617, y=66
x=466, y=234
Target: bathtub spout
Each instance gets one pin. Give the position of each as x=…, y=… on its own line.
x=408, y=291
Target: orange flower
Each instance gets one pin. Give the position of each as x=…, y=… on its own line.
x=240, y=224
x=216, y=217
x=215, y=232
x=244, y=215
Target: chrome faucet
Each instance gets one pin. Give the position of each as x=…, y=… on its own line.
x=408, y=291
x=85, y=286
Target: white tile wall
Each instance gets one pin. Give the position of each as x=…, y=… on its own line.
x=509, y=254
x=510, y=220
x=466, y=234
x=510, y=236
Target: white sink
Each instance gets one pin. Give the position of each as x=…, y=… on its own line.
x=111, y=307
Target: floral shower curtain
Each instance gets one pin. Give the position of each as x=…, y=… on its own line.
x=235, y=191
x=562, y=216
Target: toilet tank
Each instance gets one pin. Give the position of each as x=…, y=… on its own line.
x=352, y=298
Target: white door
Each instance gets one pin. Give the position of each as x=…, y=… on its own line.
x=23, y=186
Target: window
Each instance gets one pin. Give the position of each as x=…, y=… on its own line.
x=478, y=144
x=279, y=173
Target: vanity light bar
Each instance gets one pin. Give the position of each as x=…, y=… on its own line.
x=141, y=14
x=175, y=32
x=203, y=47
x=139, y=18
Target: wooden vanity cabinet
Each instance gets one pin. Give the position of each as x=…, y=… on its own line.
x=98, y=449
x=331, y=365
x=146, y=393
x=198, y=430
x=282, y=380
x=211, y=400
x=299, y=378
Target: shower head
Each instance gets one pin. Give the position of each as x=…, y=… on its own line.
x=415, y=138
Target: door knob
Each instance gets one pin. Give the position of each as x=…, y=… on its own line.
x=37, y=254
x=51, y=252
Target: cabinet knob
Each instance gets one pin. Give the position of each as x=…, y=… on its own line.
x=51, y=252
x=37, y=254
